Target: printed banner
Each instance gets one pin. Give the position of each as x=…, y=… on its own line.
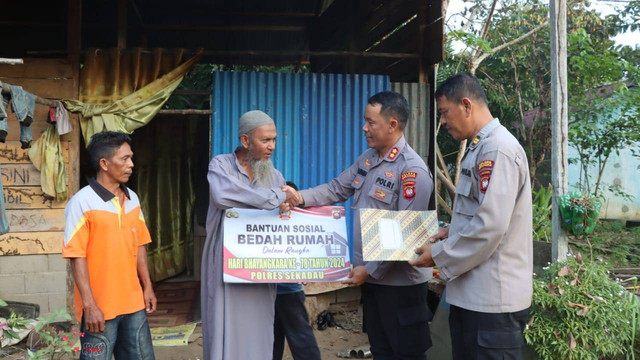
x=305, y=245
x=394, y=235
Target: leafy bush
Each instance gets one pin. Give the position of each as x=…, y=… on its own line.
x=542, y=214
x=579, y=212
x=614, y=242
x=579, y=313
x=52, y=344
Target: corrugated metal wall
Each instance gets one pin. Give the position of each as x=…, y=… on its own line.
x=418, y=130
x=318, y=119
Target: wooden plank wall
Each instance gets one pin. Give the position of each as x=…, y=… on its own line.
x=36, y=222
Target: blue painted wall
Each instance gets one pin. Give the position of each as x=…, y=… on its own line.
x=318, y=118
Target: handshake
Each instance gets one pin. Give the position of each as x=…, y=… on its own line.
x=294, y=198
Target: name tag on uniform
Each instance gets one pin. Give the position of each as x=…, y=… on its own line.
x=389, y=235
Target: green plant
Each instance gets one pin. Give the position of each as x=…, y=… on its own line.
x=579, y=212
x=542, y=214
x=613, y=242
x=579, y=313
x=57, y=343
x=9, y=327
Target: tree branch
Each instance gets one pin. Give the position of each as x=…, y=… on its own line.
x=479, y=59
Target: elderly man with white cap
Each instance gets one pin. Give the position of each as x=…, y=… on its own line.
x=237, y=319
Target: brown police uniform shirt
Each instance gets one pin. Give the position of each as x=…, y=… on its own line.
x=398, y=181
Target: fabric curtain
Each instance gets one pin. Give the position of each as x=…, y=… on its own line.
x=122, y=92
x=164, y=153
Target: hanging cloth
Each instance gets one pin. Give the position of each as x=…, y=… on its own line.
x=46, y=156
x=134, y=110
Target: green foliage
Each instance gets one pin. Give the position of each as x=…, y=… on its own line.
x=9, y=327
x=613, y=242
x=605, y=113
x=517, y=78
x=57, y=344
x=542, y=214
x=579, y=212
x=579, y=313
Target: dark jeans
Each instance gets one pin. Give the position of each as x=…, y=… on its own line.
x=396, y=319
x=292, y=322
x=482, y=336
x=127, y=337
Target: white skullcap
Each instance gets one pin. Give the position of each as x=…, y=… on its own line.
x=251, y=120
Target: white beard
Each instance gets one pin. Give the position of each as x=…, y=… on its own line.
x=262, y=170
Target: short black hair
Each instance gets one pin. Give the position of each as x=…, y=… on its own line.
x=392, y=104
x=459, y=86
x=103, y=145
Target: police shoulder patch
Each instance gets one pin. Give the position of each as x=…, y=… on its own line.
x=484, y=171
x=485, y=164
x=408, y=175
x=409, y=189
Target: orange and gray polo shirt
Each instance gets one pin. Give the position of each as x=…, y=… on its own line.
x=107, y=234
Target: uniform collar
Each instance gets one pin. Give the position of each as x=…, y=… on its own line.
x=486, y=130
x=105, y=194
x=395, y=150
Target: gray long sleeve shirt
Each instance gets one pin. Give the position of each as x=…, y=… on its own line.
x=233, y=313
x=398, y=181
x=487, y=259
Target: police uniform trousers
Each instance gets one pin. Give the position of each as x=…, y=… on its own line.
x=396, y=319
x=482, y=336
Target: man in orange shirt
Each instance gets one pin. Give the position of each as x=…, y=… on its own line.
x=104, y=237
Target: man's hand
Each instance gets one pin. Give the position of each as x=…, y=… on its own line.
x=93, y=319
x=294, y=198
x=357, y=276
x=443, y=233
x=285, y=207
x=425, y=259
x=150, y=301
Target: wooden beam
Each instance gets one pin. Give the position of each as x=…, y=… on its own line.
x=266, y=14
x=433, y=38
x=206, y=92
x=423, y=66
x=559, y=123
x=11, y=61
x=178, y=27
x=29, y=197
x=122, y=24
x=184, y=112
x=6, y=89
x=74, y=31
x=30, y=243
x=205, y=27
x=309, y=53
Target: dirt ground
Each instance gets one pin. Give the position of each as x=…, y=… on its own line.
x=331, y=341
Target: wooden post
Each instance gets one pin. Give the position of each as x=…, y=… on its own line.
x=74, y=48
x=122, y=24
x=559, y=116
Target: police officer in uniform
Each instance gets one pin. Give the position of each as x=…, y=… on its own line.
x=486, y=254
x=390, y=175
